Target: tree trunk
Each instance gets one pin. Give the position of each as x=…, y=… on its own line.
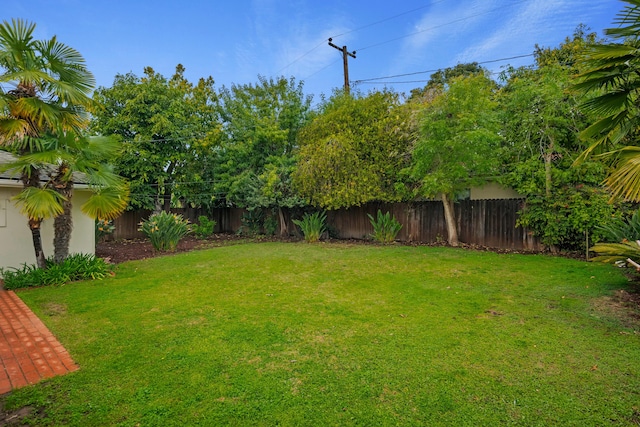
x=32, y=179
x=166, y=199
x=450, y=219
x=548, y=160
x=34, y=225
x=63, y=225
x=284, y=229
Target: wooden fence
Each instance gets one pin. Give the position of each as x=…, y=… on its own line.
x=490, y=223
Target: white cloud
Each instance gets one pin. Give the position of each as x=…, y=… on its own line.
x=517, y=31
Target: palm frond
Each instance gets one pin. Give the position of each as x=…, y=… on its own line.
x=624, y=180
x=107, y=203
x=628, y=21
x=615, y=252
x=609, y=103
x=39, y=203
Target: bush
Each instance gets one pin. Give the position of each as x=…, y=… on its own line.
x=252, y=222
x=74, y=267
x=204, y=228
x=104, y=228
x=165, y=230
x=385, y=227
x=312, y=226
x=619, y=230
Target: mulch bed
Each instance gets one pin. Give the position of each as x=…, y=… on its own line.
x=135, y=249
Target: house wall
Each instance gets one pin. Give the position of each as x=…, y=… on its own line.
x=16, y=245
x=493, y=191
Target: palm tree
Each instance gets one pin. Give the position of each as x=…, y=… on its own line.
x=74, y=155
x=613, y=78
x=50, y=88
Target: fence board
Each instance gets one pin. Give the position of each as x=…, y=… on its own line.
x=490, y=223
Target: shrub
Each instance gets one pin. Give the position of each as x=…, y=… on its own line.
x=252, y=222
x=104, y=228
x=385, y=227
x=165, y=230
x=74, y=267
x=620, y=229
x=204, y=228
x=312, y=225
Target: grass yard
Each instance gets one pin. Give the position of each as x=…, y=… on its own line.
x=295, y=334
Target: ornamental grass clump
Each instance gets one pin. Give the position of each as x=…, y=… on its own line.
x=74, y=267
x=165, y=230
x=312, y=226
x=385, y=227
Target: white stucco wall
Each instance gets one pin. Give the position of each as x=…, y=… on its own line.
x=16, y=245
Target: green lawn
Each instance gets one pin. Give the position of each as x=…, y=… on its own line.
x=306, y=335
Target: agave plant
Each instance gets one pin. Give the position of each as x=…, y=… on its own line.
x=385, y=227
x=312, y=226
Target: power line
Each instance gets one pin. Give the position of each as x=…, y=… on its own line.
x=387, y=19
x=354, y=30
x=300, y=57
x=439, y=26
x=374, y=79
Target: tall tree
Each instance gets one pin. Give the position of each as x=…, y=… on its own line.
x=438, y=81
x=61, y=162
x=85, y=158
x=541, y=125
x=354, y=150
x=50, y=88
x=160, y=122
x=458, y=144
x=613, y=76
x=255, y=155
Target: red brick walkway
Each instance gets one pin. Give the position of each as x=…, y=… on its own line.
x=28, y=351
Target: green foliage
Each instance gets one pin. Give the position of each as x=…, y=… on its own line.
x=354, y=150
x=270, y=224
x=563, y=219
x=50, y=95
x=619, y=229
x=166, y=127
x=252, y=222
x=617, y=253
x=204, y=228
x=104, y=228
x=612, y=82
x=260, y=127
x=541, y=126
x=459, y=140
x=74, y=267
x=385, y=227
x=439, y=80
x=312, y=225
x=165, y=230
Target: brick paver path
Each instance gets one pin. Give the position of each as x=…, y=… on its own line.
x=28, y=351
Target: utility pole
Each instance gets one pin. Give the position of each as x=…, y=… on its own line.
x=345, y=61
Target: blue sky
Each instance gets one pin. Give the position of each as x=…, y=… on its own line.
x=235, y=41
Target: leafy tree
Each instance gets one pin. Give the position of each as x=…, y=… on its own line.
x=354, y=150
x=542, y=121
x=163, y=125
x=255, y=154
x=458, y=143
x=612, y=76
x=439, y=80
x=49, y=93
